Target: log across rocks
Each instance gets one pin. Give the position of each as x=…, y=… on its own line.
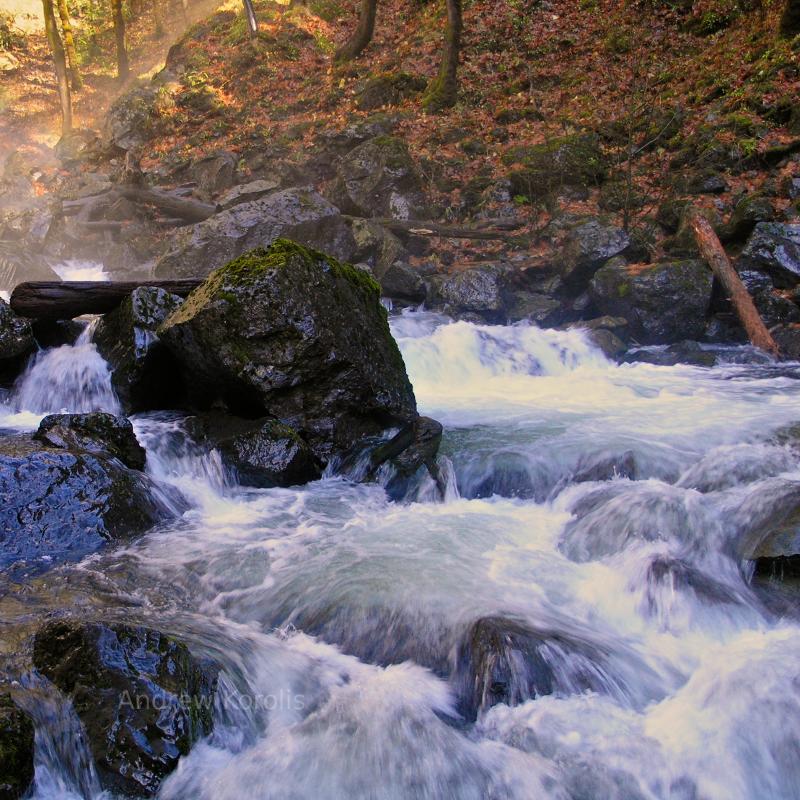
x=53, y=300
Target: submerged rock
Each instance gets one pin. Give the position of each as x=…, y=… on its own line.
x=263, y=453
x=142, y=371
x=96, y=432
x=16, y=749
x=299, y=214
x=504, y=660
x=64, y=501
x=379, y=179
x=295, y=335
x=663, y=303
x=142, y=697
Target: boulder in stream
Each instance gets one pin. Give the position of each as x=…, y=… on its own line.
x=16, y=341
x=295, y=335
x=67, y=492
x=774, y=248
x=16, y=749
x=143, y=372
x=141, y=695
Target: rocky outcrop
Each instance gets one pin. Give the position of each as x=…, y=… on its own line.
x=143, y=372
x=16, y=749
x=380, y=179
x=663, y=303
x=262, y=453
x=16, y=341
x=96, y=432
x=68, y=492
x=587, y=248
x=478, y=290
x=299, y=214
x=133, y=117
x=775, y=249
x=295, y=335
x=142, y=697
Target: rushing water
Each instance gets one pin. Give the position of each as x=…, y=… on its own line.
x=607, y=506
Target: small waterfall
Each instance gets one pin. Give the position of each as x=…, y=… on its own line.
x=72, y=378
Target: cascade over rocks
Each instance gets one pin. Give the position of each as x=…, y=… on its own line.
x=663, y=303
x=16, y=749
x=379, y=179
x=293, y=334
x=66, y=491
x=299, y=214
x=142, y=697
x=143, y=372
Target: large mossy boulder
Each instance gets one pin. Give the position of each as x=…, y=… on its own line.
x=16, y=341
x=774, y=248
x=299, y=214
x=16, y=749
x=568, y=161
x=142, y=370
x=67, y=492
x=380, y=179
x=133, y=117
x=142, y=697
x=295, y=335
x=663, y=303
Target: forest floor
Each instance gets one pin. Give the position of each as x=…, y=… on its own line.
x=676, y=95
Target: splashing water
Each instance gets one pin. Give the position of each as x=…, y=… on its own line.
x=599, y=513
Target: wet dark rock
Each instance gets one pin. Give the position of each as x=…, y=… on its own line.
x=676, y=575
x=263, y=453
x=403, y=283
x=776, y=310
x=774, y=248
x=299, y=214
x=58, y=504
x=605, y=467
x=767, y=520
x=541, y=309
x=95, y=432
x=607, y=342
x=706, y=183
x=380, y=179
x=505, y=660
x=787, y=337
x=16, y=749
x=478, y=290
x=142, y=370
x=376, y=246
x=747, y=213
x=293, y=334
x=588, y=247
x=663, y=303
x=409, y=456
x=142, y=697
x=16, y=341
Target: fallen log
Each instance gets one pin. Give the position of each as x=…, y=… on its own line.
x=713, y=252
x=181, y=207
x=53, y=300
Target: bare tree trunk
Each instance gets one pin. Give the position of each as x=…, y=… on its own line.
x=60, y=61
x=790, y=20
x=69, y=45
x=720, y=264
x=158, y=21
x=119, y=34
x=443, y=90
x=250, y=16
x=362, y=35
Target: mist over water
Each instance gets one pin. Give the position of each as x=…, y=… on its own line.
x=604, y=508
